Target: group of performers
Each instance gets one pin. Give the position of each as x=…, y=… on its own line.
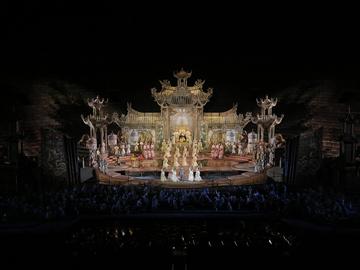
x=263, y=155
x=217, y=151
x=122, y=150
x=190, y=176
x=166, y=149
x=237, y=148
x=148, y=150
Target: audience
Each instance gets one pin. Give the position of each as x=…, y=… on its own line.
x=273, y=198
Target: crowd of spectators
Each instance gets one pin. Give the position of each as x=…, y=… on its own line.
x=272, y=198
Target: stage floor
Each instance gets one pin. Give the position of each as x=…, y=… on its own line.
x=231, y=170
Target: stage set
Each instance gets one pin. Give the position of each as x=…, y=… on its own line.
x=182, y=146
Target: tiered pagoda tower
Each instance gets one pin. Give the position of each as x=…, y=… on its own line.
x=182, y=106
x=266, y=121
x=98, y=120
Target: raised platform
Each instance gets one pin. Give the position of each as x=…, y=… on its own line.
x=231, y=170
x=246, y=178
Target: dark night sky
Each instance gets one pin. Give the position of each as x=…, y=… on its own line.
x=122, y=52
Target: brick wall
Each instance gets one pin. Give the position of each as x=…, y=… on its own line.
x=323, y=108
x=326, y=113
x=38, y=115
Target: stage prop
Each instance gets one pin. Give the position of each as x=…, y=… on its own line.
x=181, y=143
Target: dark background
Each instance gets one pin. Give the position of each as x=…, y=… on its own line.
x=122, y=51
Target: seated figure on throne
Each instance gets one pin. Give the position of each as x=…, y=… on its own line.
x=181, y=136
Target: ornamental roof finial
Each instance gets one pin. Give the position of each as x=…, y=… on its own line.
x=182, y=74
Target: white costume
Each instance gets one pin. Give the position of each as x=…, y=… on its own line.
x=191, y=175
x=162, y=176
x=197, y=175
x=174, y=178
x=123, y=150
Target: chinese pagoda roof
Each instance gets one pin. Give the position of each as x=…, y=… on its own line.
x=181, y=95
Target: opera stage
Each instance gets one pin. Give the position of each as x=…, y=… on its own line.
x=181, y=146
x=231, y=170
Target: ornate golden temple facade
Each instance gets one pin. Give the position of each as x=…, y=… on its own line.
x=182, y=116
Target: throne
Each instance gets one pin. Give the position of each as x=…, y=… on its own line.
x=182, y=136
